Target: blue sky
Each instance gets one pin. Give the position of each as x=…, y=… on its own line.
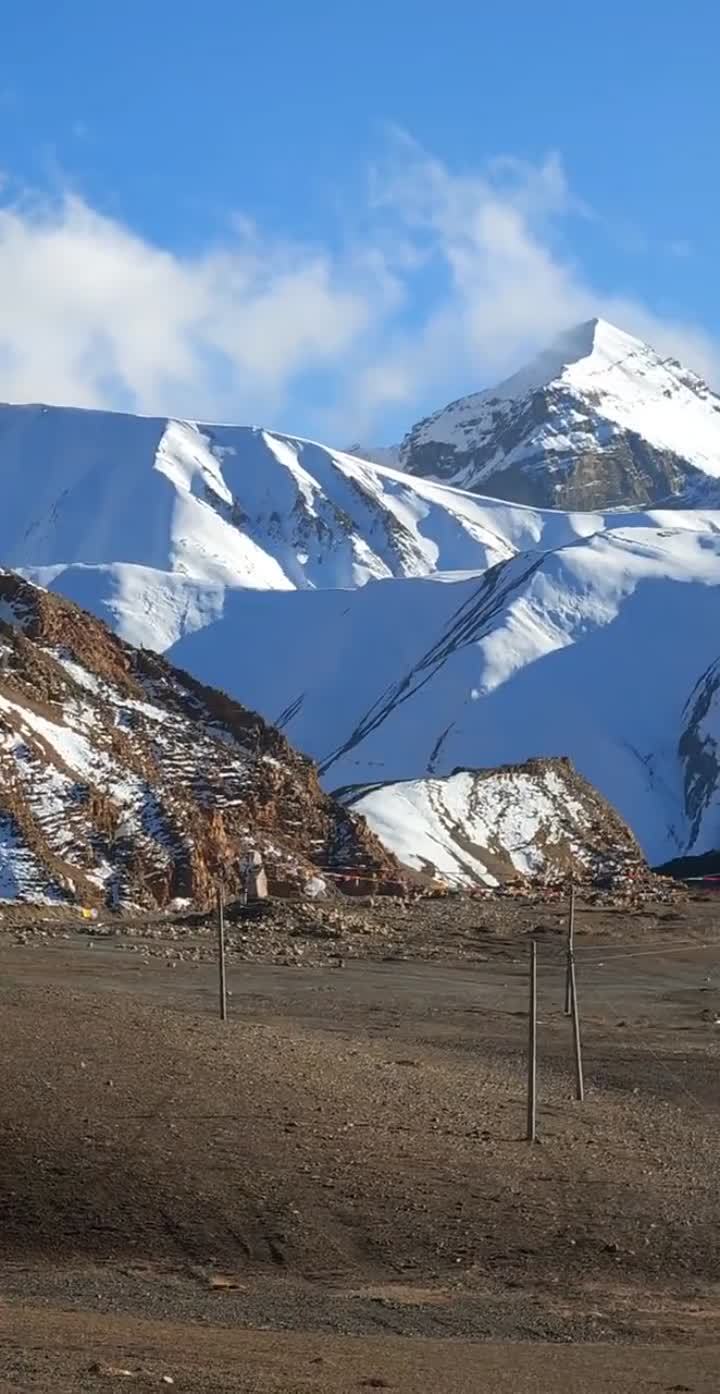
x=334, y=218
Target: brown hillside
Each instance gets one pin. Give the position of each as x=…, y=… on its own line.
x=124, y=780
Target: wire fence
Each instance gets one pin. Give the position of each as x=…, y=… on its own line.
x=549, y=966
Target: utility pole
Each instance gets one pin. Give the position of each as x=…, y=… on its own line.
x=579, y=1081
x=531, y=1133
x=570, y=950
x=221, y=954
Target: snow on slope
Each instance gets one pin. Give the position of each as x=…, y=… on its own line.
x=154, y=609
x=597, y=418
x=149, y=608
x=22, y=875
x=147, y=522
x=590, y=651
x=221, y=504
x=486, y=826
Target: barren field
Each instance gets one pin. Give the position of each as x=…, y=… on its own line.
x=332, y=1191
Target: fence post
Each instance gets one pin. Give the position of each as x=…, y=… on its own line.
x=579, y=1081
x=221, y=954
x=570, y=950
x=531, y=1133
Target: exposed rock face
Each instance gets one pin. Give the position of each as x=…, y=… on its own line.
x=626, y=472
x=124, y=780
x=599, y=420
x=699, y=750
x=540, y=820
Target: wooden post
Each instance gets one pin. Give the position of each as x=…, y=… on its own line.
x=579, y=1081
x=532, y=1047
x=221, y=954
x=570, y=950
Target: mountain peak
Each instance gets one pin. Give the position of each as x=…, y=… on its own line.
x=597, y=336
x=594, y=346
x=597, y=420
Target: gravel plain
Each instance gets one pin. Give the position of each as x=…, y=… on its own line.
x=332, y=1190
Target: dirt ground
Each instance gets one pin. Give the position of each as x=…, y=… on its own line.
x=332, y=1190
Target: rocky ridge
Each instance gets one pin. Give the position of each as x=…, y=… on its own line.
x=539, y=820
x=125, y=781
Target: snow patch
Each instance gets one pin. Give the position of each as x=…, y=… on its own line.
x=460, y=826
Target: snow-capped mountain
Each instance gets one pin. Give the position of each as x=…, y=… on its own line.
x=593, y=651
x=123, y=780
x=400, y=628
x=599, y=420
x=149, y=522
x=223, y=504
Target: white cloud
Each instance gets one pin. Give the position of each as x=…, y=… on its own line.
x=509, y=287
x=455, y=279
x=93, y=314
